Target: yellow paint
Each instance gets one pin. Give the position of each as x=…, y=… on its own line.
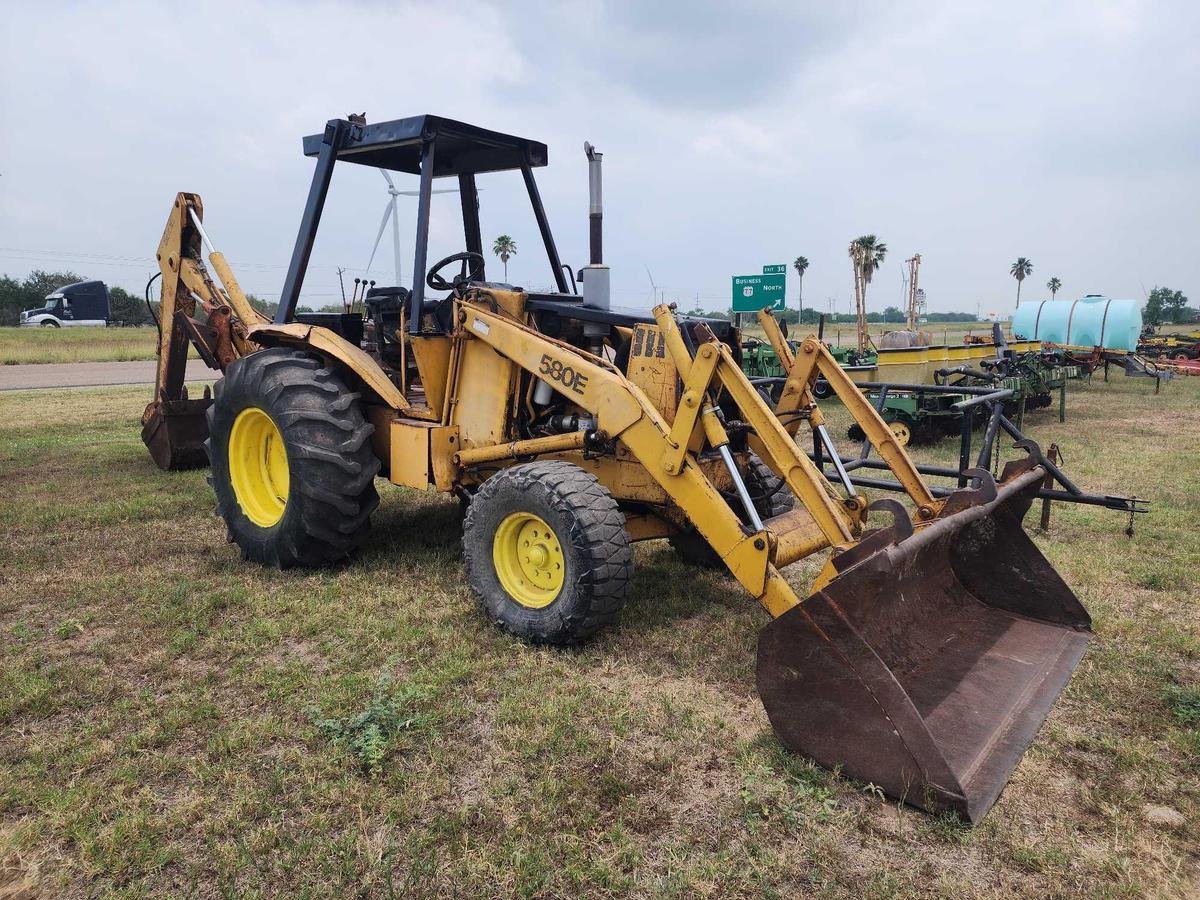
x=326, y=342
x=553, y=443
x=939, y=358
x=258, y=467
x=749, y=561
x=646, y=438
x=529, y=560
x=409, y=462
x=511, y=302
x=443, y=445
x=381, y=419
x=651, y=370
x=814, y=359
x=827, y=574
x=432, y=353
x=692, y=404
x=645, y=527
x=237, y=297
x=797, y=535
x=626, y=479
x=904, y=366
x=173, y=342
x=483, y=395
x=980, y=351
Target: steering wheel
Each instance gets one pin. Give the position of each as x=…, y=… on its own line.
x=438, y=283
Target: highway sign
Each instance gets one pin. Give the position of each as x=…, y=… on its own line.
x=752, y=292
x=775, y=270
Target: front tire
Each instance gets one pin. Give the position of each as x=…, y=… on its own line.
x=50, y=324
x=547, y=554
x=292, y=466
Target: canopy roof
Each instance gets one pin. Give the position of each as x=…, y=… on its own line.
x=459, y=148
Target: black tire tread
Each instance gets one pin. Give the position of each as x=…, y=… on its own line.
x=597, y=528
x=333, y=467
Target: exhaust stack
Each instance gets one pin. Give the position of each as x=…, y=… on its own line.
x=595, y=273
x=595, y=205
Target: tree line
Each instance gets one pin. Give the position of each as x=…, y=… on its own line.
x=810, y=316
x=1163, y=305
x=125, y=308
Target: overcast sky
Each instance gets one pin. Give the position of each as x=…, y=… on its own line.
x=734, y=135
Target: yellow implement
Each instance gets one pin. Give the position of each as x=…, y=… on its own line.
x=930, y=647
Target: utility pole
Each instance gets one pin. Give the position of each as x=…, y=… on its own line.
x=914, y=268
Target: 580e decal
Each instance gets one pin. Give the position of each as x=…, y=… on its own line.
x=568, y=377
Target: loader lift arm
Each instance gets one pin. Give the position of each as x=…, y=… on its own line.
x=669, y=451
x=929, y=652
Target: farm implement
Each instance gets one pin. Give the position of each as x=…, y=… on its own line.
x=1173, y=347
x=916, y=404
x=928, y=650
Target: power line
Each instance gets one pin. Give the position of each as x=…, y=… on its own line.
x=97, y=258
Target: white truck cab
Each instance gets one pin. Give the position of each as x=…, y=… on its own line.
x=83, y=303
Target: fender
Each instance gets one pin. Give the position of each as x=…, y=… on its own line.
x=41, y=319
x=328, y=343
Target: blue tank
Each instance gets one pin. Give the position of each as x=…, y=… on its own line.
x=1091, y=321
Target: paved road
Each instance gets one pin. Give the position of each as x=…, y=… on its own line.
x=61, y=375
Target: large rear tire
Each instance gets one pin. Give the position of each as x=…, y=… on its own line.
x=547, y=554
x=292, y=466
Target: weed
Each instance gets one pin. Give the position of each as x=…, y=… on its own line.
x=68, y=629
x=1184, y=702
x=372, y=733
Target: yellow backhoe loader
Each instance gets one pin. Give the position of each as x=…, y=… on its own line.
x=932, y=644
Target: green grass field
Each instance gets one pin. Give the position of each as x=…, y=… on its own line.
x=174, y=722
x=22, y=346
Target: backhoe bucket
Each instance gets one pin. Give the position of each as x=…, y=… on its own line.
x=927, y=665
x=174, y=431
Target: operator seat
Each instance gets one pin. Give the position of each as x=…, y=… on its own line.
x=386, y=306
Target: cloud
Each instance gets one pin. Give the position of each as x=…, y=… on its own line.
x=734, y=135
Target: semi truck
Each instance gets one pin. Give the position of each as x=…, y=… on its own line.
x=84, y=303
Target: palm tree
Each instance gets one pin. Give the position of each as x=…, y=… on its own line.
x=505, y=247
x=867, y=252
x=800, y=264
x=1054, y=285
x=1019, y=270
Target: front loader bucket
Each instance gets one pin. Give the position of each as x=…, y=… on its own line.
x=174, y=431
x=927, y=665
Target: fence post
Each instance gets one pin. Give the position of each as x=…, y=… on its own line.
x=1047, y=483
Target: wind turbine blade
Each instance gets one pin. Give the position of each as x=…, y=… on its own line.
x=653, y=286
x=387, y=178
x=387, y=212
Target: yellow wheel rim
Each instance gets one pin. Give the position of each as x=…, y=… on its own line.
x=258, y=467
x=901, y=431
x=529, y=560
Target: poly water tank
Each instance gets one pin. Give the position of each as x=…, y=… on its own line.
x=1091, y=321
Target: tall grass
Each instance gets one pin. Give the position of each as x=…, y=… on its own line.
x=22, y=346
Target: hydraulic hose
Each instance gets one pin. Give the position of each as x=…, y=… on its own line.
x=150, y=306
